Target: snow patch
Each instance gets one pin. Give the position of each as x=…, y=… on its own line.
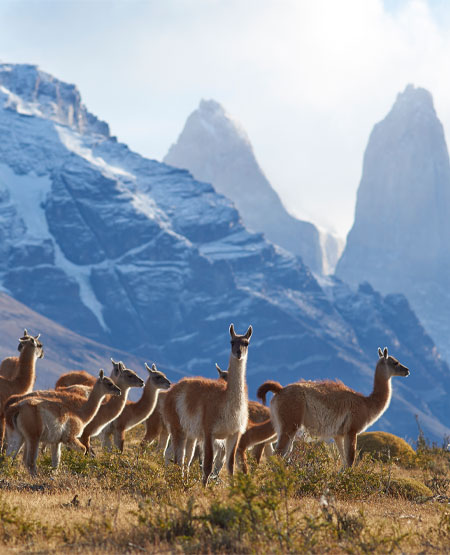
x=28, y=193
x=76, y=143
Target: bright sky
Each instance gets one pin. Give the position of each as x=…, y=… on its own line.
x=307, y=79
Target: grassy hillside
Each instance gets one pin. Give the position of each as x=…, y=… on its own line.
x=132, y=503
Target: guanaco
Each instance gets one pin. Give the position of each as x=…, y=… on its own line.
x=124, y=378
x=328, y=409
x=24, y=374
x=9, y=366
x=257, y=413
x=136, y=412
x=203, y=410
x=14, y=439
x=57, y=421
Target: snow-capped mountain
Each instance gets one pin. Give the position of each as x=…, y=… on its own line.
x=141, y=256
x=400, y=240
x=215, y=148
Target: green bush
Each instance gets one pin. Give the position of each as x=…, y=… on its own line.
x=384, y=446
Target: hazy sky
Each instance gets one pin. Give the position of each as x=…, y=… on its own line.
x=307, y=79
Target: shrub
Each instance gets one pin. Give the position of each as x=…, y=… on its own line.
x=408, y=488
x=384, y=446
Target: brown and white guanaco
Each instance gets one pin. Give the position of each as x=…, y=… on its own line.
x=328, y=409
x=136, y=412
x=58, y=420
x=124, y=378
x=200, y=409
x=23, y=372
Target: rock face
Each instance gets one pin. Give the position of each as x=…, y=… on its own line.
x=216, y=149
x=400, y=240
x=138, y=255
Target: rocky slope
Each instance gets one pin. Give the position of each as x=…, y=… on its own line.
x=400, y=240
x=138, y=255
x=215, y=148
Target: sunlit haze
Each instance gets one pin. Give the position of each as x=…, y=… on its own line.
x=306, y=79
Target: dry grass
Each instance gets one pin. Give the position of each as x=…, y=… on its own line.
x=131, y=503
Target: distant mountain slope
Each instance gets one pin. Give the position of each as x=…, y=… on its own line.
x=137, y=254
x=215, y=148
x=64, y=350
x=400, y=240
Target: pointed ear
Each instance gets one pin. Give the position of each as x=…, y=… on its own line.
x=232, y=332
x=218, y=368
x=385, y=352
x=25, y=333
x=380, y=352
x=37, y=336
x=149, y=370
x=101, y=374
x=249, y=332
x=154, y=368
x=113, y=361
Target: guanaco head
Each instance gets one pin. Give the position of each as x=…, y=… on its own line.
x=223, y=374
x=157, y=378
x=124, y=377
x=33, y=342
x=239, y=343
x=391, y=365
x=107, y=385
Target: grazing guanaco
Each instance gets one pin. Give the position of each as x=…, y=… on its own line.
x=198, y=409
x=24, y=374
x=76, y=377
x=124, y=378
x=328, y=409
x=57, y=421
x=136, y=412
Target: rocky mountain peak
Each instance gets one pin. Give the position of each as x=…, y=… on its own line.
x=400, y=239
x=30, y=91
x=215, y=148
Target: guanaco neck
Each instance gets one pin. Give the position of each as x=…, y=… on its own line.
x=147, y=403
x=26, y=375
x=107, y=412
x=90, y=407
x=236, y=390
x=380, y=397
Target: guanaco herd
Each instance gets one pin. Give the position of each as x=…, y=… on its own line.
x=213, y=416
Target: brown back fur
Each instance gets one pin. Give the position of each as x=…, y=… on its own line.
x=77, y=377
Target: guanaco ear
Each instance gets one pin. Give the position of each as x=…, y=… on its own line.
x=152, y=369
x=37, y=336
x=25, y=333
x=380, y=352
x=249, y=332
x=232, y=332
x=101, y=374
x=218, y=368
x=385, y=352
